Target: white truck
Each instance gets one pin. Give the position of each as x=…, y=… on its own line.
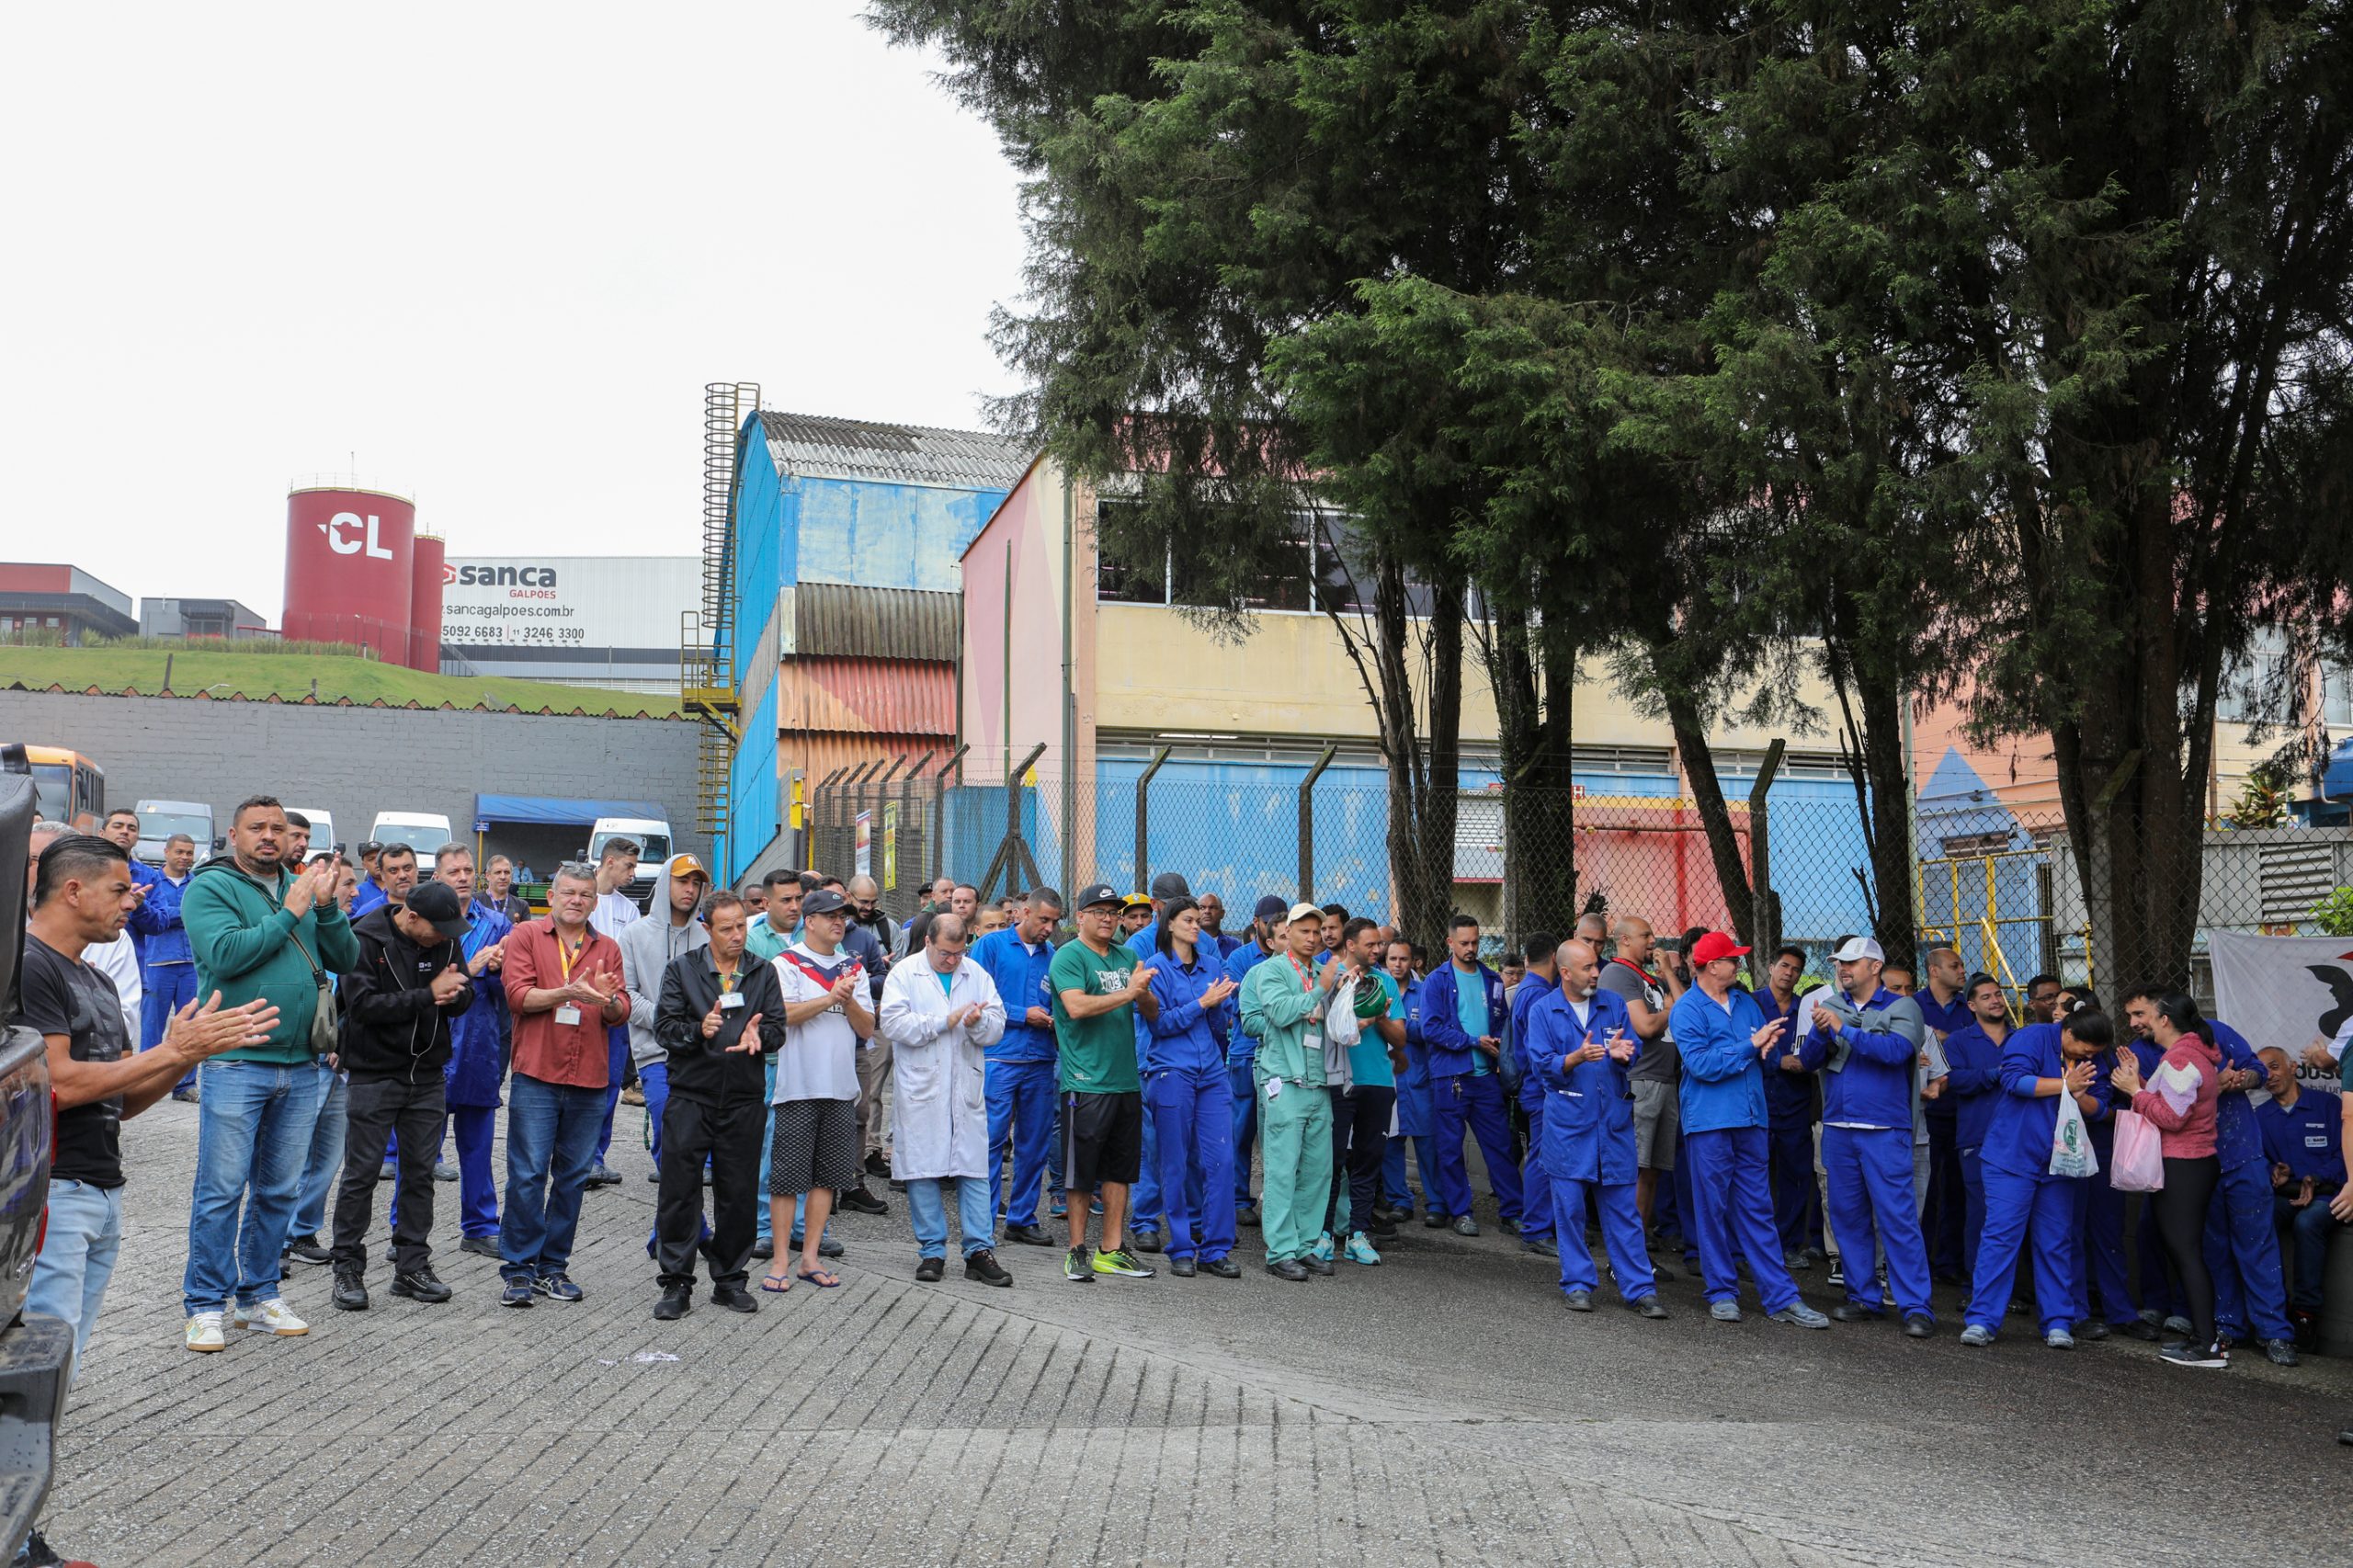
x=424, y=832
x=651, y=836
x=322, y=822
x=158, y=820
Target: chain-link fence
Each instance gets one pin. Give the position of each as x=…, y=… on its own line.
x=1999, y=885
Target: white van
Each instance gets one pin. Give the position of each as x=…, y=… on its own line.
x=421, y=831
x=158, y=820
x=651, y=836
x=321, y=827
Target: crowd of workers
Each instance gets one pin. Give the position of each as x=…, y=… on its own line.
x=1122, y=1062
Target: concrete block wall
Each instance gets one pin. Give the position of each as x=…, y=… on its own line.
x=356, y=762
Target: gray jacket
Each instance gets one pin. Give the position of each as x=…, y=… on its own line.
x=647, y=947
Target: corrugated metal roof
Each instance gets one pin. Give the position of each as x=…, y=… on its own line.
x=813, y=446
x=831, y=619
x=823, y=696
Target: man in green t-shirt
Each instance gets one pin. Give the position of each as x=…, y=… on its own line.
x=1098, y=989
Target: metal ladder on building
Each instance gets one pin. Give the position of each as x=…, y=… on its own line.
x=707, y=691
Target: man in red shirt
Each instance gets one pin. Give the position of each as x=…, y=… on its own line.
x=563, y=982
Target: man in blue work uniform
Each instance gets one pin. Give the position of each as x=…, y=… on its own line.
x=1723, y=1039
x=1790, y=1095
x=1463, y=1018
x=2241, y=1250
x=1144, y=1198
x=1944, y=1007
x=1415, y=1122
x=1579, y=1042
x=1973, y=1083
x=1020, y=1068
x=2303, y=1139
x=1242, y=1050
x=166, y=963
x=1867, y=1044
x=1540, y=952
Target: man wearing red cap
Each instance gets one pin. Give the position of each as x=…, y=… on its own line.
x=1724, y=1040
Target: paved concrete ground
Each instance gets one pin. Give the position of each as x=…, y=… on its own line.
x=1440, y=1409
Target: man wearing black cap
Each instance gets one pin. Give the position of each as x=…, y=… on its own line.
x=1098, y=987
x=1267, y=924
x=411, y=983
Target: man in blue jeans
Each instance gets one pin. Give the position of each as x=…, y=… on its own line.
x=563, y=983
x=260, y=930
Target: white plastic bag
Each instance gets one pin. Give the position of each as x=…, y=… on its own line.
x=2071, y=1145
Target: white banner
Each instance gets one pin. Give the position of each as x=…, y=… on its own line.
x=2284, y=991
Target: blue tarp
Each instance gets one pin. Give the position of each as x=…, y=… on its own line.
x=2337, y=783
x=553, y=811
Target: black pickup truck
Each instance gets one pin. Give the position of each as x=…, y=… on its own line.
x=36, y=1353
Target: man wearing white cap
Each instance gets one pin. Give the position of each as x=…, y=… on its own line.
x=1283, y=1005
x=1867, y=1044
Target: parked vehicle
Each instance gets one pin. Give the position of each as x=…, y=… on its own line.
x=66, y=784
x=36, y=1353
x=158, y=820
x=322, y=822
x=651, y=836
x=424, y=832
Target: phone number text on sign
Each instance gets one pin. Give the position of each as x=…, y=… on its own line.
x=461, y=633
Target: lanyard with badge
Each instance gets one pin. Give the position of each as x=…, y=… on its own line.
x=568, y=1013
x=730, y=998
x=1313, y=1040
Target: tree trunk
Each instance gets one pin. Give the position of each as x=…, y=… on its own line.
x=1887, y=771
x=1423, y=783
x=1715, y=817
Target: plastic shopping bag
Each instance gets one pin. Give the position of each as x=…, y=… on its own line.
x=2071, y=1146
x=2136, y=1160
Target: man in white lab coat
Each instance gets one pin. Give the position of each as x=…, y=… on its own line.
x=940, y=1014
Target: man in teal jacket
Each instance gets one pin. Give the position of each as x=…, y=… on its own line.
x=1282, y=1008
x=259, y=929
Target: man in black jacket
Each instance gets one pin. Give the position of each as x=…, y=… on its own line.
x=394, y=1041
x=720, y=1012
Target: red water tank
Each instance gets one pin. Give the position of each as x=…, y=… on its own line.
x=349, y=557
x=425, y=603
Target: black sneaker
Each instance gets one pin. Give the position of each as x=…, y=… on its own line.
x=1027, y=1235
x=929, y=1270
x=350, y=1290
x=423, y=1285
x=306, y=1249
x=876, y=1164
x=1148, y=1240
x=2211, y=1357
x=480, y=1246
x=983, y=1266
x=1223, y=1267
x=858, y=1200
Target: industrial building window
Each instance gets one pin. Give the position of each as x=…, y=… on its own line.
x=2256, y=684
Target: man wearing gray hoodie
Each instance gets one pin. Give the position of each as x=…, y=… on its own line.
x=647, y=947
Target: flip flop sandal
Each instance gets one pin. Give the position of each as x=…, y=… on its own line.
x=779, y=1288
x=824, y=1278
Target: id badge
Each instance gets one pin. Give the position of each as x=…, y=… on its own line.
x=1314, y=1040
x=567, y=1013
x=1274, y=1089
x=730, y=1000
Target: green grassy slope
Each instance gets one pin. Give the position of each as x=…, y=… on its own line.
x=288, y=676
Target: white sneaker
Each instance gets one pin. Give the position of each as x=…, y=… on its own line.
x=273, y=1316
x=203, y=1332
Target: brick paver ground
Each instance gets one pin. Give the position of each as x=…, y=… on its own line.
x=1440, y=1409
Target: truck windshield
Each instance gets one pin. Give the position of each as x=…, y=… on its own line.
x=652, y=849
x=162, y=825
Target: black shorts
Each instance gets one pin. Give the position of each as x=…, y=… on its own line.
x=1102, y=1139
x=814, y=1144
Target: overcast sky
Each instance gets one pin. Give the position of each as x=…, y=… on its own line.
x=493, y=250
